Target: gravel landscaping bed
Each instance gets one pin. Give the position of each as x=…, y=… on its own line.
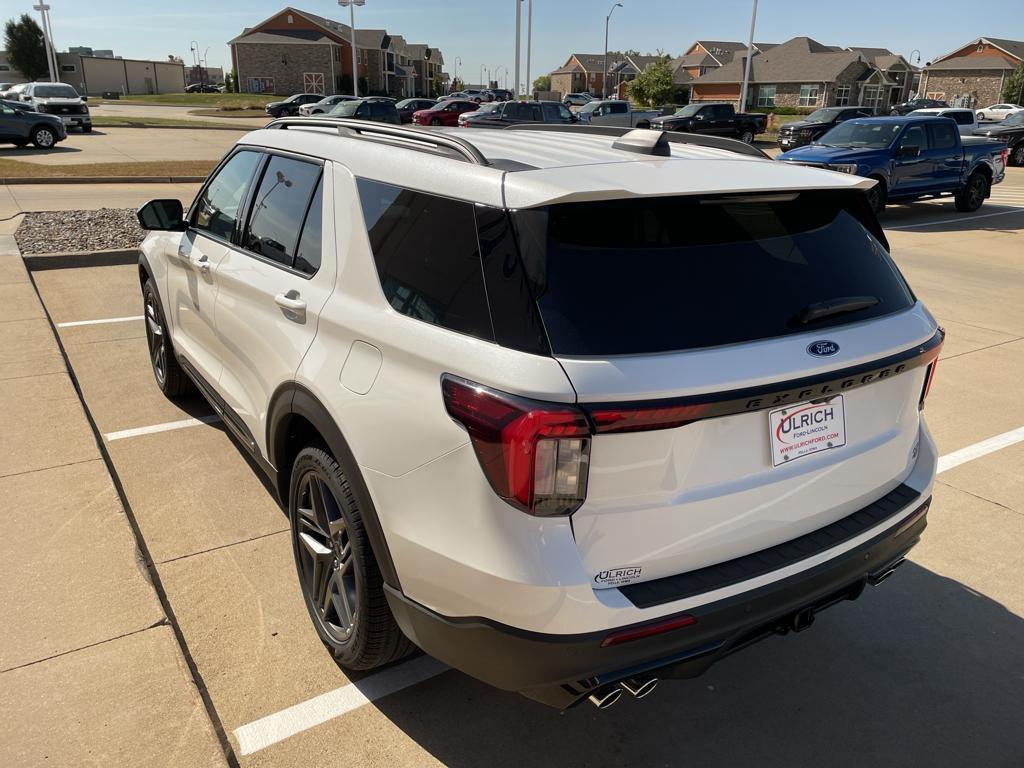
x=62, y=231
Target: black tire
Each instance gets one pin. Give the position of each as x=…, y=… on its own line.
x=86, y=129
x=44, y=137
x=876, y=197
x=168, y=373
x=1017, y=156
x=435, y=121
x=746, y=136
x=340, y=580
x=973, y=194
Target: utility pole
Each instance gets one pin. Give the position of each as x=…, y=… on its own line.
x=352, y=28
x=750, y=55
x=518, y=36
x=529, y=41
x=604, y=77
x=51, y=53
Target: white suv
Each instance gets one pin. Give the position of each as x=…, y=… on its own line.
x=569, y=409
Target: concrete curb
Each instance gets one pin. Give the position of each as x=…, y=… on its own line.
x=14, y=180
x=37, y=262
x=199, y=127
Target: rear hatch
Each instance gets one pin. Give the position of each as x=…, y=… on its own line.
x=753, y=366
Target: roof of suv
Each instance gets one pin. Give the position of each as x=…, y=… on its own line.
x=528, y=168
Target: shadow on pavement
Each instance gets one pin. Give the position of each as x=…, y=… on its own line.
x=921, y=671
x=946, y=218
x=26, y=153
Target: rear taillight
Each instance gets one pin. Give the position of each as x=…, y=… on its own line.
x=644, y=418
x=929, y=376
x=535, y=455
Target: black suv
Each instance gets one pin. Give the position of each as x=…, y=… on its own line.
x=518, y=112
x=817, y=124
x=290, y=106
x=375, y=108
x=909, y=106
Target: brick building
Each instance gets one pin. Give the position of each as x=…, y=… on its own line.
x=973, y=75
x=804, y=73
x=300, y=52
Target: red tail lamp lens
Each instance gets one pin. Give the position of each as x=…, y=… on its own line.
x=645, y=418
x=535, y=455
x=928, y=378
x=638, y=633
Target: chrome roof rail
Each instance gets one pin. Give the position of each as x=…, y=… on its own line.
x=422, y=139
x=672, y=137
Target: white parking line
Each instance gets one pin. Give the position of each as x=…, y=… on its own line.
x=76, y=323
x=166, y=427
x=954, y=221
x=983, y=448
x=279, y=726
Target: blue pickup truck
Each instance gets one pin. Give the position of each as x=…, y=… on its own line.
x=911, y=157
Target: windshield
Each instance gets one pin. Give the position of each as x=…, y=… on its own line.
x=855, y=134
x=408, y=104
x=1016, y=119
x=684, y=254
x=822, y=115
x=346, y=109
x=590, y=106
x=55, y=92
x=689, y=110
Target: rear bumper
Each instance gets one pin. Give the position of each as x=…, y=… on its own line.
x=561, y=670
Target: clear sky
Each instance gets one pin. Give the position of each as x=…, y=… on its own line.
x=481, y=32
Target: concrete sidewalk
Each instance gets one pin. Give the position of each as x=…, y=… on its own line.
x=20, y=198
x=90, y=668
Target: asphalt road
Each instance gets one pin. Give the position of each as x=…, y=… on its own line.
x=927, y=669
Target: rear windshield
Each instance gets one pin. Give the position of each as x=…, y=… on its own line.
x=662, y=274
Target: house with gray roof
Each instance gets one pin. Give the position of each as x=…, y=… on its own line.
x=973, y=75
x=581, y=73
x=802, y=72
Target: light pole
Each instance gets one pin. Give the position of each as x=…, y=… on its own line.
x=458, y=60
x=51, y=52
x=604, y=77
x=352, y=25
x=750, y=55
x=529, y=40
x=518, y=38
x=497, y=69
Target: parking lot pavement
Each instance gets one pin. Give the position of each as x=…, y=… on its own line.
x=924, y=670
x=110, y=109
x=124, y=145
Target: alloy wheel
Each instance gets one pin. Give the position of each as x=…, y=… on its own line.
x=156, y=338
x=44, y=138
x=747, y=137
x=975, y=193
x=1018, y=154
x=325, y=558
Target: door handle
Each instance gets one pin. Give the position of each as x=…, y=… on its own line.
x=202, y=264
x=291, y=302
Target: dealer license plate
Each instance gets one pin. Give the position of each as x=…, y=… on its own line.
x=805, y=428
x=68, y=120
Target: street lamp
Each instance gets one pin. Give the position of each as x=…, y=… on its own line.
x=51, y=52
x=750, y=55
x=497, y=69
x=458, y=60
x=351, y=4
x=604, y=77
x=529, y=40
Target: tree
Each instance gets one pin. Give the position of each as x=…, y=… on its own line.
x=1013, y=88
x=26, y=47
x=654, y=85
x=542, y=83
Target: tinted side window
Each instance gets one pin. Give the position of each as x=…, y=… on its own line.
x=427, y=256
x=551, y=113
x=915, y=137
x=307, y=258
x=278, y=208
x=618, y=108
x=962, y=117
x=216, y=210
x=943, y=136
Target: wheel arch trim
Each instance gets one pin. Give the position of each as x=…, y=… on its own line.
x=293, y=399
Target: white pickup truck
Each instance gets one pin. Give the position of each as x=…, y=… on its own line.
x=616, y=112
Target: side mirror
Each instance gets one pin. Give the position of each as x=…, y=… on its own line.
x=698, y=117
x=908, y=150
x=85, y=98
x=162, y=216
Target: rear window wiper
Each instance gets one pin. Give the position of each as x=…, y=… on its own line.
x=842, y=305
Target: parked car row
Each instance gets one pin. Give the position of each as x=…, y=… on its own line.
x=714, y=120
x=58, y=99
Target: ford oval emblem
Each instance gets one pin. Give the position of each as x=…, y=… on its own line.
x=824, y=348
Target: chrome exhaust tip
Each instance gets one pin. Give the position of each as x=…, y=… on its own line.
x=638, y=687
x=604, y=699
x=889, y=571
